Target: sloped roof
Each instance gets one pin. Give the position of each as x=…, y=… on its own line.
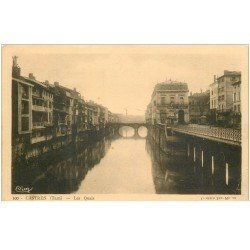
x=172, y=86
x=74, y=94
x=24, y=78
x=230, y=73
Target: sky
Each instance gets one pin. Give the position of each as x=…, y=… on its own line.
x=123, y=77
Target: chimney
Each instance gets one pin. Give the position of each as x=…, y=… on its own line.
x=215, y=78
x=31, y=76
x=16, y=71
x=75, y=89
x=56, y=84
x=46, y=82
x=201, y=90
x=14, y=58
x=191, y=93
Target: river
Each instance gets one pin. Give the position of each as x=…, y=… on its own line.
x=123, y=166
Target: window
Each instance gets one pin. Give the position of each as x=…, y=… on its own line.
x=239, y=107
x=25, y=107
x=25, y=91
x=222, y=97
x=50, y=118
x=171, y=99
x=239, y=96
x=25, y=124
x=162, y=100
x=234, y=97
x=182, y=100
x=235, y=107
x=212, y=92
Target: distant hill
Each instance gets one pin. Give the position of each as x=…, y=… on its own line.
x=131, y=118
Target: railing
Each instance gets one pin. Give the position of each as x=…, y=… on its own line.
x=40, y=139
x=41, y=124
x=37, y=94
x=38, y=124
x=39, y=108
x=208, y=131
x=172, y=105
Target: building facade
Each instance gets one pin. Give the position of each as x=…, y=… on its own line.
x=169, y=103
x=213, y=100
x=237, y=103
x=214, y=94
x=199, y=107
x=226, y=89
x=43, y=112
x=62, y=110
x=222, y=97
x=32, y=109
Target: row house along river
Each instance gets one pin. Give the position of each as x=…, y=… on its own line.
x=124, y=164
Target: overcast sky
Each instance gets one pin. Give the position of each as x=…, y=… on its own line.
x=121, y=77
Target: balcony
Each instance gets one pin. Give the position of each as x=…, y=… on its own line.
x=38, y=108
x=38, y=125
x=37, y=95
x=61, y=110
x=223, y=111
x=40, y=139
x=172, y=105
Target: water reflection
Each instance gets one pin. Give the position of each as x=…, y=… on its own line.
x=126, y=169
x=179, y=174
x=170, y=174
x=117, y=166
x=66, y=175
x=142, y=132
x=126, y=131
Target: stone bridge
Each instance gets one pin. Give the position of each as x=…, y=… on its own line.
x=134, y=125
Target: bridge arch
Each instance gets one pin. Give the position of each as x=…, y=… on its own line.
x=126, y=131
x=136, y=126
x=142, y=131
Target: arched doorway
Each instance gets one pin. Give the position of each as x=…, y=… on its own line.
x=181, y=119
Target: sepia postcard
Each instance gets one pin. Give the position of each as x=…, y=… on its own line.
x=125, y=122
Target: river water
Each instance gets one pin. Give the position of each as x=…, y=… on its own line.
x=126, y=168
x=122, y=166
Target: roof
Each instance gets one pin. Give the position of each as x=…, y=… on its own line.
x=24, y=78
x=74, y=94
x=230, y=73
x=202, y=94
x=236, y=82
x=172, y=86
